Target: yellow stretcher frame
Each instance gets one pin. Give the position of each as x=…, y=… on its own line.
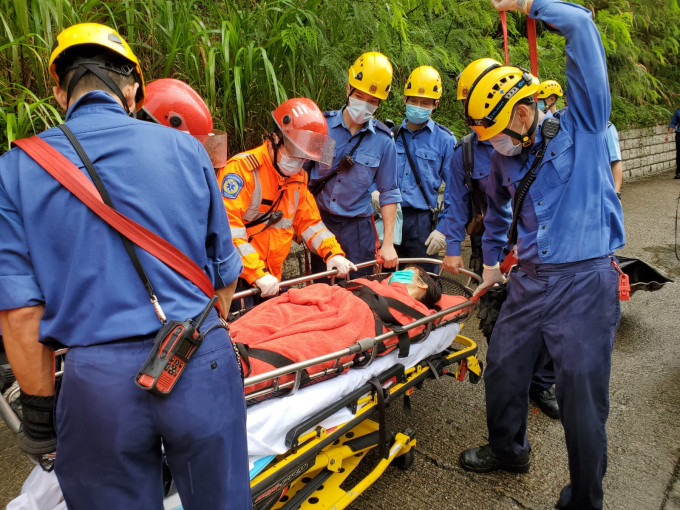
x=310, y=475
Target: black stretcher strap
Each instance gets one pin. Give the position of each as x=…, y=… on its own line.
x=380, y=306
x=272, y=358
x=383, y=451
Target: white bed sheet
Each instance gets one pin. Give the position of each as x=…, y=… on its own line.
x=269, y=421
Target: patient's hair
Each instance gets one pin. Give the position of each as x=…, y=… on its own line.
x=433, y=292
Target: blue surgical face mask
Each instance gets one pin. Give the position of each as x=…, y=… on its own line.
x=405, y=276
x=541, y=105
x=417, y=114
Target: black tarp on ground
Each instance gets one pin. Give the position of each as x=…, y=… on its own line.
x=642, y=275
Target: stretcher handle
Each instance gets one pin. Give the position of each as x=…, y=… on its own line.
x=9, y=416
x=358, y=347
x=307, y=278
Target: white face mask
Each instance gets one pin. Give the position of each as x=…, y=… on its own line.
x=288, y=165
x=360, y=111
x=502, y=144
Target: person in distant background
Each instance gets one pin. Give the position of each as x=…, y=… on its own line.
x=674, y=126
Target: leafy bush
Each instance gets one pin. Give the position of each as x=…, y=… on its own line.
x=246, y=56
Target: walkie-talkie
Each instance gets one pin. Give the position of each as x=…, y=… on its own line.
x=176, y=342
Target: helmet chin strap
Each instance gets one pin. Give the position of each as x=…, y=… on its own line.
x=275, y=146
x=525, y=138
x=99, y=68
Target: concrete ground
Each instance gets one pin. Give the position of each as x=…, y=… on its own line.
x=449, y=416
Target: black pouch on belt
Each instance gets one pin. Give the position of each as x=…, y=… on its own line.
x=175, y=344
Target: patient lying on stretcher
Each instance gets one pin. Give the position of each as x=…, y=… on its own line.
x=319, y=319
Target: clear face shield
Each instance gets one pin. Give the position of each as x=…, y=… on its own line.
x=309, y=145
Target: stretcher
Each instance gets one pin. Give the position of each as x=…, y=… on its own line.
x=305, y=447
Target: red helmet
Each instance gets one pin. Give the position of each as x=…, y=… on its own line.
x=304, y=129
x=175, y=104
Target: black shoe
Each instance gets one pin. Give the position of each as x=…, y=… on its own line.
x=545, y=400
x=482, y=460
x=677, y=176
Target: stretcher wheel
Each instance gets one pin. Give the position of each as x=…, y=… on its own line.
x=405, y=461
x=474, y=378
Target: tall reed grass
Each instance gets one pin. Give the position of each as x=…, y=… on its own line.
x=246, y=56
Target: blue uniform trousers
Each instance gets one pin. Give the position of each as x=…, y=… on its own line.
x=414, y=232
x=568, y=312
x=677, y=153
x=110, y=431
x=356, y=237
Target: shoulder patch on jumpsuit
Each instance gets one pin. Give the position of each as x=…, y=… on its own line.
x=231, y=186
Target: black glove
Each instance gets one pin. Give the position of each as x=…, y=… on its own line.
x=37, y=435
x=490, y=307
x=476, y=261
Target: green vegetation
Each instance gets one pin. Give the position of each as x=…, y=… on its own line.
x=246, y=56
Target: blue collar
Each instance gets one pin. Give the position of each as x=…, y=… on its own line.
x=338, y=121
x=429, y=125
x=94, y=102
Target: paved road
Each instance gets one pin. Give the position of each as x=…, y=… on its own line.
x=449, y=416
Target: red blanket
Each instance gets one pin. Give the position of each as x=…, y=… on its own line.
x=315, y=320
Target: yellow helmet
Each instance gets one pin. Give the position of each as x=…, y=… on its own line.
x=490, y=101
x=548, y=88
x=97, y=35
x=424, y=81
x=473, y=71
x=372, y=73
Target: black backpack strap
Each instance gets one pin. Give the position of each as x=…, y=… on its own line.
x=477, y=197
x=468, y=158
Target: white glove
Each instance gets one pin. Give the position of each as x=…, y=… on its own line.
x=375, y=201
x=513, y=5
x=341, y=264
x=490, y=276
x=268, y=285
x=435, y=242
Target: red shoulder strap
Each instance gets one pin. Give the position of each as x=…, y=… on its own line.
x=63, y=170
x=504, y=26
x=531, y=39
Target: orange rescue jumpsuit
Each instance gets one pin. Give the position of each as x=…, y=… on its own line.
x=250, y=187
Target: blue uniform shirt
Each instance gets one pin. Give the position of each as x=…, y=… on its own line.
x=431, y=149
x=56, y=251
x=346, y=194
x=571, y=212
x=613, y=146
x=675, y=121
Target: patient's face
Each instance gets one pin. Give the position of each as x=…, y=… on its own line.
x=410, y=278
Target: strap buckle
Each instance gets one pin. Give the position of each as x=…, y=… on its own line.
x=159, y=311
